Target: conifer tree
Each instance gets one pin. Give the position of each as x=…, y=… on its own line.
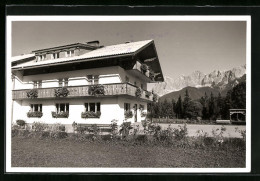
x=186, y=103
x=179, y=108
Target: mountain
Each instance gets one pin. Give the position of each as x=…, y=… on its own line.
x=218, y=80
x=197, y=93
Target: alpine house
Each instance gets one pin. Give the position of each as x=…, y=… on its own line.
x=85, y=83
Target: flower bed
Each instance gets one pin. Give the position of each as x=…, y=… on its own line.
x=36, y=114
x=33, y=93
x=60, y=114
x=61, y=92
x=90, y=114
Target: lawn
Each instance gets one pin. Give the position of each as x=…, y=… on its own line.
x=36, y=152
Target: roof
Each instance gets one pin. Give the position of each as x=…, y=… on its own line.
x=106, y=51
x=22, y=57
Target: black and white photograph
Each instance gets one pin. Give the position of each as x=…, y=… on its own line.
x=128, y=94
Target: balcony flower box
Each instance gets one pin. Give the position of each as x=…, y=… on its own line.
x=32, y=94
x=147, y=94
x=151, y=74
x=155, y=97
x=96, y=90
x=36, y=114
x=60, y=114
x=90, y=114
x=144, y=68
x=138, y=92
x=61, y=92
x=128, y=114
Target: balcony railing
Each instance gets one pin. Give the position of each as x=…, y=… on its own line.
x=82, y=91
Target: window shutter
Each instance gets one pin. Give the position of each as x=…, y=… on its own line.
x=98, y=107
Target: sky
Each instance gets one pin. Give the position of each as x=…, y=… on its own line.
x=182, y=47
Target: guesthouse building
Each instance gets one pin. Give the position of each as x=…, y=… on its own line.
x=85, y=83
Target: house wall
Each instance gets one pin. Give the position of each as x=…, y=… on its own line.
x=110, y=108
x=107, y=75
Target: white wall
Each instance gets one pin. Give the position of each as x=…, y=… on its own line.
x=111, y=108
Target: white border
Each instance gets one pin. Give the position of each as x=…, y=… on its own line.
x=9, y=20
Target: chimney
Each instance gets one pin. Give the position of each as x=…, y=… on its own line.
x=94, y=43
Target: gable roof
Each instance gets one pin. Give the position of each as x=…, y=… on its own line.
x=22, y=57
x=104, y=52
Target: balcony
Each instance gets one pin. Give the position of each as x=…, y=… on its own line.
x=142, y=71
x=119, y=89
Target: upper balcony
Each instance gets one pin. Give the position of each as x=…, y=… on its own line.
x=108, y=90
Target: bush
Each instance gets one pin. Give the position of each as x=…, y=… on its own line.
x=60, y=114
x=20, y=122
x=33, y=93
x=38, y=127
x=125, y=128
x=96, y=90
x=59, y=135
x=90, y=114
x=114, y=128
x=151, y=74
x=144, y=68
x=15, y=132
x=181, y=132
x=81, y=129
x=37, y=114
x=45, y=134
x=61, y=92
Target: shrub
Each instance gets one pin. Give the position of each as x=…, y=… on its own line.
x=81, y=129
x=20, y=122
x=128, y=114
x=59, y=135
x=15, y=132
x=181, y=132
x=37, y=114
x=60, y=114
x=114, y=128
x=90, y=114
x=33, y=93
x=218, y=135
x=38, y=127
x=45, y=134
x=138, y=92
x=96, y=90
x=125, y=128
x=61, y=92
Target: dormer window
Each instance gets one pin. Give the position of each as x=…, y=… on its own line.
x=70, y=53
x=55, y=55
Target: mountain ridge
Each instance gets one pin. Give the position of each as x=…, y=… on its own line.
x=217, y=79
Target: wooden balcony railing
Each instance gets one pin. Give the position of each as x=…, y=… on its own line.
x=82, y=91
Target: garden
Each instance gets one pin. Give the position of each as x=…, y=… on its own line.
x=126, y=145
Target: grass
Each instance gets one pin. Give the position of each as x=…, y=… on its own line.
x=35, y=152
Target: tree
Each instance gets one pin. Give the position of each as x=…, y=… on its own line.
x=179, y=108
x=219, y=105
x=186, y=102
x=204, y=102
x=212, y=106
x=238, y=96
x=193, y=110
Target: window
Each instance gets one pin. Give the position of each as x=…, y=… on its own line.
x=62, y=107
x=127, y=106
x=93, y=79
x=55, y=55
x=63, y=82
x=37, y=84
x=36, y=107
x=94, y=107
x=141, y=107
x=70, y=53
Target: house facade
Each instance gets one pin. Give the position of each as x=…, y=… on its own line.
x=85, y=83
